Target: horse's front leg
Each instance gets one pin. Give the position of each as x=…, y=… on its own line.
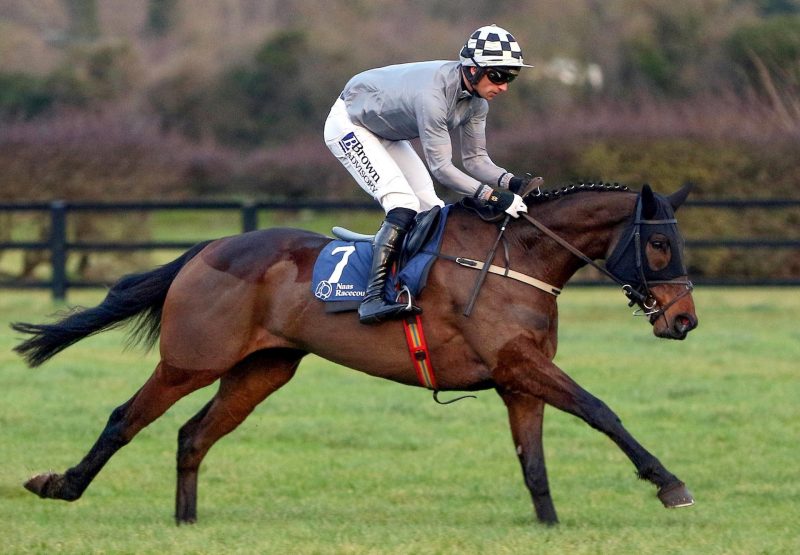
x=519, y=370
x=525, y=415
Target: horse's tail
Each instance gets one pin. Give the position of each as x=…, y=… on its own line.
x=138, y=297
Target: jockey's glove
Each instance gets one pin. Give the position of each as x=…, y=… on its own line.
x=514, y=183
x=502, y=199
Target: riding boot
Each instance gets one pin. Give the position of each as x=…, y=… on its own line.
x=385, y=248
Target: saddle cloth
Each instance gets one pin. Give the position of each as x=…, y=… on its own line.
x=342, y=269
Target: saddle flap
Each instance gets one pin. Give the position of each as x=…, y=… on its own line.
x=425, y=225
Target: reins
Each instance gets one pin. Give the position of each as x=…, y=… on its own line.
x=558, y=239
x=534, y=184
x=638, y=294
x=485, y=268
x=637, y=290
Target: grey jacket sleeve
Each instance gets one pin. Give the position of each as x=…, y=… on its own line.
x=438, y=149
x=473, y=149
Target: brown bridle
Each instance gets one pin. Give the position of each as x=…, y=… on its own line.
x=639, y=294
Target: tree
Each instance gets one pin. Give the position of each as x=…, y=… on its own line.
x=83, y=22
x=161, y=17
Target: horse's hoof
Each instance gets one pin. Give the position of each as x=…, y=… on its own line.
x=675, y=495
x=40, y=483
x=51, y=486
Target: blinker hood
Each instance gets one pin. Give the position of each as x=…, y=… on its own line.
x=628, y=261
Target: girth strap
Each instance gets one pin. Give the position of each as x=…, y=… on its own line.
x=421, y=358
x=418, y=349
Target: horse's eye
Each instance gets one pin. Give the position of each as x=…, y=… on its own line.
x=659, y=245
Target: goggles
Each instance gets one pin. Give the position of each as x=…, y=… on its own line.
x=500, y=76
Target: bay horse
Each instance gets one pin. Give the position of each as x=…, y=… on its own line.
x=240, y=310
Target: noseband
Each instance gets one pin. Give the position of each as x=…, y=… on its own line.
x=648, y=305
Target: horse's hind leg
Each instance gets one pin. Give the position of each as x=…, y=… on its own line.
x=525, y=415
x=240, y=390
x=166, y=386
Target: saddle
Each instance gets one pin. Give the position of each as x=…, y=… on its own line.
x=422, y=229
x=341, y=270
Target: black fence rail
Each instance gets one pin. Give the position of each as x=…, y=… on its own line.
x=58, y=246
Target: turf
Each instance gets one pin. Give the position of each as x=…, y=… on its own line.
x=338, y=462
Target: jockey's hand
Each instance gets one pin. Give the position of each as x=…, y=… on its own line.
x=519, y=183
x=517, y=206
x=525, y=185
x=502, y=199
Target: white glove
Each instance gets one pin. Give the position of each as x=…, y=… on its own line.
x=517, y=205
x=502, y=199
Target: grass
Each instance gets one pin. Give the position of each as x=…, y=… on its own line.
x=338, y=462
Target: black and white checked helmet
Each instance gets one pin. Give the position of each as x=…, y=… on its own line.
x=492, y=46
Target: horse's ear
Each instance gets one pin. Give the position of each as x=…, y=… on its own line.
x=649, y=204
x=677, y=198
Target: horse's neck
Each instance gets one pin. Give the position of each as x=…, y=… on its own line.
x=589, y=221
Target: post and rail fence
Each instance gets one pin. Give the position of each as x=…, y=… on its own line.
x=59, y=246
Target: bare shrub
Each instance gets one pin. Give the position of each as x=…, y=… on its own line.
x=302, y=168
x=107, y=155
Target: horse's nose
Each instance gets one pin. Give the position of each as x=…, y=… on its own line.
x=684, y=323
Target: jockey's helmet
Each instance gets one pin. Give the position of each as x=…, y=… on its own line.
x=491, y=46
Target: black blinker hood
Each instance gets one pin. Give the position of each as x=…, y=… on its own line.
x=628, y=261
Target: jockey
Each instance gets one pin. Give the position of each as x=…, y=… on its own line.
x=370, y=126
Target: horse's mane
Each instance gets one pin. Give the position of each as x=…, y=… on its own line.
x=552, y=194
x=541, y=196
x=489, y=214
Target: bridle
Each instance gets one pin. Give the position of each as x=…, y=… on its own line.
x=638, y=291
x=625, y=268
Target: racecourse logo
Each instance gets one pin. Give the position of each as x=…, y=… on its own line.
x=324, y=290
x=354, y=151
x=339, y=291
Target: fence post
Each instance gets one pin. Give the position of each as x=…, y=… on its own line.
x=58, y=249
x=249, y=216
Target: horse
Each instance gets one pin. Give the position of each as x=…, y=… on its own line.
x=240, y=310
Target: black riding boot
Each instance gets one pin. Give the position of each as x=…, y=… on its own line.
x=385, y=247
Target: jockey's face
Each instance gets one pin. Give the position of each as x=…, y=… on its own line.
x=487, y=89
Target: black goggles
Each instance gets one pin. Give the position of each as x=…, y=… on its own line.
x=500, y=76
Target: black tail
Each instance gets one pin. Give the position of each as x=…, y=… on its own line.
x=138, y=297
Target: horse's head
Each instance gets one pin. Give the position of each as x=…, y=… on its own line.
x=648, y=258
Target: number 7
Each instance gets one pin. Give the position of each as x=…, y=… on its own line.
x=337, y=271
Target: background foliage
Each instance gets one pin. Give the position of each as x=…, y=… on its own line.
x=111, y=100
x=234, y=94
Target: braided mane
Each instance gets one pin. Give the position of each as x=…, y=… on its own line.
x=543, y=196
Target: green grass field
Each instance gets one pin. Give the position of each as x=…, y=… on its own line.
x=341, y=463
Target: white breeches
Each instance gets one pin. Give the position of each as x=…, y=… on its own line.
x=390, y=171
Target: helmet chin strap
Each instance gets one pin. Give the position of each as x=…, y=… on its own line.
x=473, y=78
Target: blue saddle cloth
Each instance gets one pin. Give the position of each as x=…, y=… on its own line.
x=342, y=270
